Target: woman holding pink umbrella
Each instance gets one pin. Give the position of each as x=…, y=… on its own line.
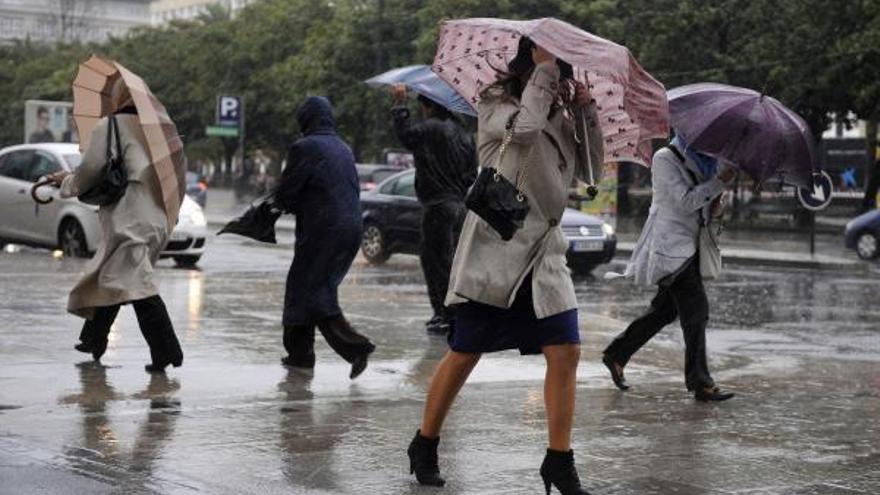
x=517, y=293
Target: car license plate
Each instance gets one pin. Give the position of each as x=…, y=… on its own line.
x=178, y=236
x=585, y=246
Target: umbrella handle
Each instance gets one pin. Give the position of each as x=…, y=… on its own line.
x=44, y=182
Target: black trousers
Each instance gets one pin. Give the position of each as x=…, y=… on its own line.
x=685, y=298
x=156, y=327
x=441, y=227
x=299, y=340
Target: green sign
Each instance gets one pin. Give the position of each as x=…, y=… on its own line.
x=213, y=130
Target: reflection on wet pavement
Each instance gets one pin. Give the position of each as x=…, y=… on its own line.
x=800, y=348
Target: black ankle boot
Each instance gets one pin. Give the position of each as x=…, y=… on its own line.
x=422, y=454
x=98, y=349
x=558, y=470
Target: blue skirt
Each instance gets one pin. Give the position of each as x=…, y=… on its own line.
x=480, y=328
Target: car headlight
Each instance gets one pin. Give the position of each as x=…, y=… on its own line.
x=198, y=219
x=607, y=229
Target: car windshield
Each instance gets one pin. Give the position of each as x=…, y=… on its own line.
x=73, y=159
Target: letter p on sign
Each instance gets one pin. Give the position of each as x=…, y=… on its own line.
x=229, y=111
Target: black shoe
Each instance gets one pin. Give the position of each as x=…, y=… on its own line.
x=616, y=377
x=422, y=454
x=83, y=347
x=713, y=394
x=300, y=361
x=558, y=470
x=98, y=349
x=360, y=363
x=160, y=367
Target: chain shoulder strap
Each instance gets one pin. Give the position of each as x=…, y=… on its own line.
x=522, y=173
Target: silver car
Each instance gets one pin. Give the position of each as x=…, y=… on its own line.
x=68, y=224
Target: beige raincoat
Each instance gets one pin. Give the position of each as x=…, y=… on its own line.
x=133, y=231
x=490, y=270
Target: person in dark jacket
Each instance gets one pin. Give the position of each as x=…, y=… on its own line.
x=446, y=167
x=320, y=186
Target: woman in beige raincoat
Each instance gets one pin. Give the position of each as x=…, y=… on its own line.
x=134, y=231
x=518, y=294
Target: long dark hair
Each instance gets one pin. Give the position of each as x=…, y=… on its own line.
x=513, y=80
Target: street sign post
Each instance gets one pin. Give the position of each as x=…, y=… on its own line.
x=815, y=199
x=230, y=115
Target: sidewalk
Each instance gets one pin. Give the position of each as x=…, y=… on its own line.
x=739, y=247
x=769, y=248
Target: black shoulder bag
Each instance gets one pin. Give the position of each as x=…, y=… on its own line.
x=114, y=178
x=495, y=199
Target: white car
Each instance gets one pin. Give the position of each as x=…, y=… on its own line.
x=68, y=224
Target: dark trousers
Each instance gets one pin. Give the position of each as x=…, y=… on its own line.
x=299, y=340
x=156, y=327
x=683, y=297
x=441, y=227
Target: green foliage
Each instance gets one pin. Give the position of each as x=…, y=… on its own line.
x=818, y=56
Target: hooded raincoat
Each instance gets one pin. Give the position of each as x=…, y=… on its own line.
x=320, y=187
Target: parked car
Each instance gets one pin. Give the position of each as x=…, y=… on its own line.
x=392, y=224
x=68, y=224
x=197, y=188
x=370, y=174
x=863, y=234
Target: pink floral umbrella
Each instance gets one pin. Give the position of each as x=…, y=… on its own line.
x=631, y=104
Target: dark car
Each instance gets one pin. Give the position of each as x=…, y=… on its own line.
x=369, y=175
x=197, y=188
x=393, y=215
x=863, y=234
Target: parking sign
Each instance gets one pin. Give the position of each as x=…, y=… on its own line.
x=229, y=111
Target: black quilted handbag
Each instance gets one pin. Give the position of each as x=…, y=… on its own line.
x=502, y=204
x=114, y=178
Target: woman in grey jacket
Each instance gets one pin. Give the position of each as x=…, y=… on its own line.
x=687, y=188
x=518, y=294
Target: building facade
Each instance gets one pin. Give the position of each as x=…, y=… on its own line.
x=165, y=11
x=49, y=21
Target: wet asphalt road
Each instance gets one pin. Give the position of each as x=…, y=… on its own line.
x=802, y=350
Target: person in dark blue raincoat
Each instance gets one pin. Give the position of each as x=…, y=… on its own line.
x=320, y=186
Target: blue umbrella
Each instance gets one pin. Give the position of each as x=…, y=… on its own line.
x=420, y=79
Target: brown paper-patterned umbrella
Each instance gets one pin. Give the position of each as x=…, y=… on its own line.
x=91, y=101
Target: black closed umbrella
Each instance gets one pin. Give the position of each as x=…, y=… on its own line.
x=258, y=222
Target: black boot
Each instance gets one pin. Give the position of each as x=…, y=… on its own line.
x=422, y=454
x=558, y=470
x=299, y=341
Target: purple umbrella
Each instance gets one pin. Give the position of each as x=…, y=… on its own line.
x=754, y=132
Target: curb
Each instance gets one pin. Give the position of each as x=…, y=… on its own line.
x=754, y=257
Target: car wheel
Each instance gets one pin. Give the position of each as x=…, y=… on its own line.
x=373, y=245
x=867, y=246
x=186, y=261
x=72, y=239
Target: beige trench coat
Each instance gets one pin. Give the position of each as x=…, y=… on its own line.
x=490, y=270
x=133, y=231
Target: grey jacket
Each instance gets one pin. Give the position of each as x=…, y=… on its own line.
x=670, y=235
x=490, y=270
